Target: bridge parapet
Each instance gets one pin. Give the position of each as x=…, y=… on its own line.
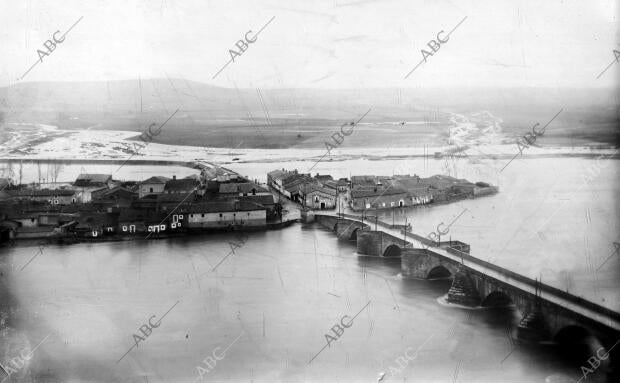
x=345, y=229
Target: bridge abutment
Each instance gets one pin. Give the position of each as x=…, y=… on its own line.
x=369, y=243
x=463, y=290
x=533, y=327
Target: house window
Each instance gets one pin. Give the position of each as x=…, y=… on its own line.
x=150, y=190
x=383, y=204
x=202, y=215
x=220, y=215
x=392, y=204
x=316, y=199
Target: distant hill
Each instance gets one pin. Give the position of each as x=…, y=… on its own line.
x=589, y=114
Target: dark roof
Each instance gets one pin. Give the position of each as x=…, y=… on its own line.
x=356, y=179
x=260, y=199
x=156, y=180
x=318, y=188
x=323, y=177
x=330, y=184
x=181, y=185
x=175, y=197
x=241, y=187
x=278, y=173
x=117, y=190
x=297, y=179
x=40, y=193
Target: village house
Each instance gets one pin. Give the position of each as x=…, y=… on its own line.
x=276, y=178
x=379, y=198
x=96, y=224
x=131, y=221
x=320, y=197
x=226, y=215
x=153, y=185
x=51, y=196
x=182, y=186
x=241, y=189
x=322, y=178
x=85, y=184
x=342, y=185
x=118, y=197
x=265, y=200
x=170, y=202
x=363, y=181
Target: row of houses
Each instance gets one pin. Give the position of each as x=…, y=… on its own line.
x=380, y=192
x=158, y=204
x=318, y=192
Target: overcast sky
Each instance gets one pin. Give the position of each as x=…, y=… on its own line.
x=323, y=44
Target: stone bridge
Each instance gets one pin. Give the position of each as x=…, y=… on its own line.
x=547, y=313
x=344, y=228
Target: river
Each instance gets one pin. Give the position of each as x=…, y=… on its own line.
x=274, y=300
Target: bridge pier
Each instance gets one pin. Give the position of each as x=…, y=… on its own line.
x=463, y=290
x=552, y=314
x=533, y=327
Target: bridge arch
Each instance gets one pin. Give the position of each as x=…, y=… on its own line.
x=353, y=236
x=392, y=251
x=438, y=272
x=497, y=298
x=336, y=227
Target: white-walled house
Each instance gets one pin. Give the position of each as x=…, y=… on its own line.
x=319, y=197
x=153, y=185
x=226, y=214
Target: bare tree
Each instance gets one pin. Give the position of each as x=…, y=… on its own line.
x=20, y=171
x=39, y=172
x=56, y=169
x=10, y=167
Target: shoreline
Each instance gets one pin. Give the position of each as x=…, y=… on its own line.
x=70, y=240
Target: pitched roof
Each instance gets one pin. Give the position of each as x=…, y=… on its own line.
x=156, y=180
x=241, y=187
x=40, y=193
x=277, y=173
x=175, y=197
x=321, y=189
x=260, y=199
x=181, y=185
x=118, y=190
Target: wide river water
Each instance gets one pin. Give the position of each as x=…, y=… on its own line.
x=274, y=300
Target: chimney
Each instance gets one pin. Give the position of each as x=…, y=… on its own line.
x=174, y=177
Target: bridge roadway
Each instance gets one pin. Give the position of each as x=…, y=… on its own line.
x=601, y=315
